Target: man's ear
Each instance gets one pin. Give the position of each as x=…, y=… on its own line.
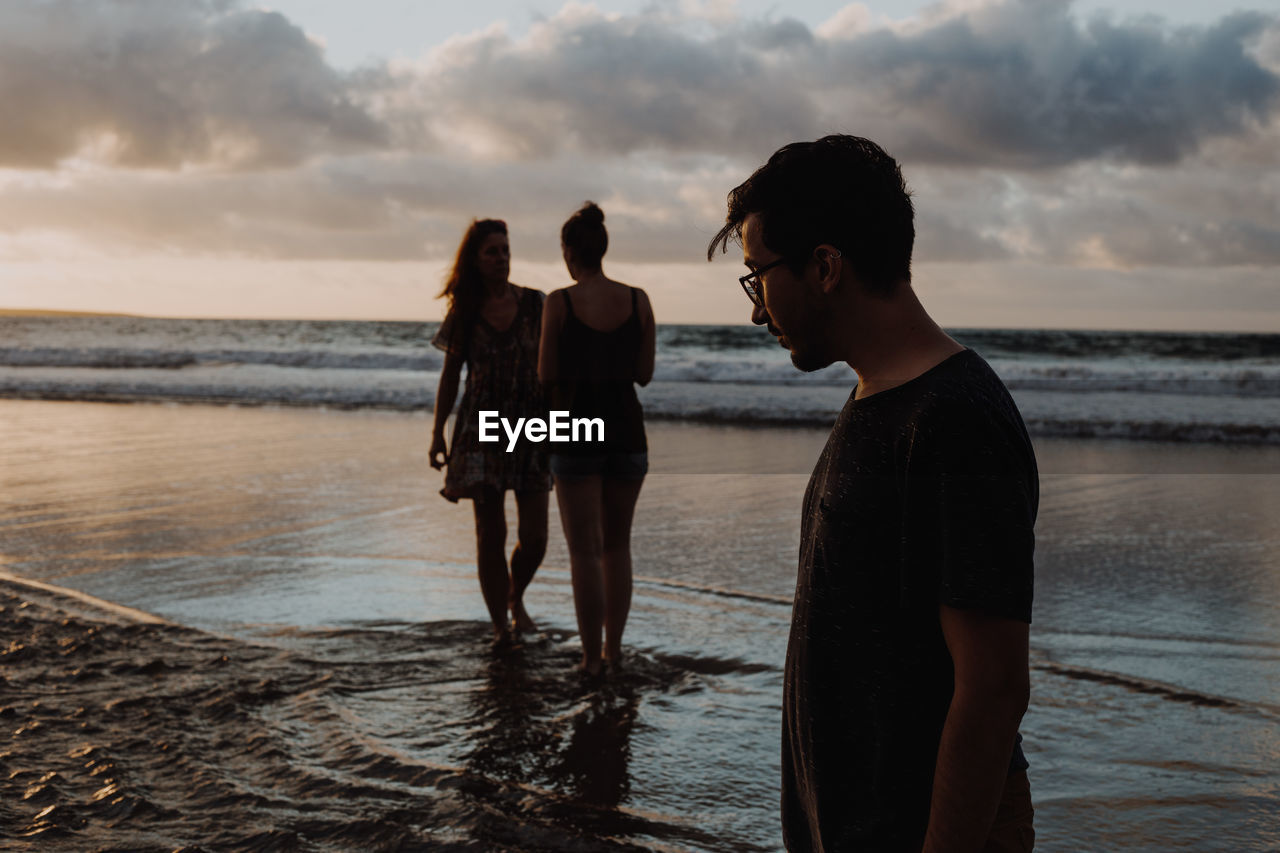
x=830, y=264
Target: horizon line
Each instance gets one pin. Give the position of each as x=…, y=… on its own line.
x=53, y=312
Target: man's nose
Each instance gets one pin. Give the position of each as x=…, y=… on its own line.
x=759, y=316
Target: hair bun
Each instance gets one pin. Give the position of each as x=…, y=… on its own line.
x=585, y=236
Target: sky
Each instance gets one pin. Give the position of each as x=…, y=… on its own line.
x=1073, y=165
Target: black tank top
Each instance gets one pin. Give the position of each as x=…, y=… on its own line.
x=597, y=380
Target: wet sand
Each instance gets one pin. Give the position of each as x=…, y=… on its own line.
x=321, y=680
x=142, y=735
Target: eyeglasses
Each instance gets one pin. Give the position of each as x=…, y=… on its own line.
x=752, y=285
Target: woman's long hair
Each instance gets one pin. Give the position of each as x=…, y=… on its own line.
x=463, y=287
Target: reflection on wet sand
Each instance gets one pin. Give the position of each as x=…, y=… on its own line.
x=551, y=726
x=535, y=722
x=346, y=694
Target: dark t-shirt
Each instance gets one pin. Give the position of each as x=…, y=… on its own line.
x=924, y=495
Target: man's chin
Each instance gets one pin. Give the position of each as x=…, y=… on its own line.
x=807, y=361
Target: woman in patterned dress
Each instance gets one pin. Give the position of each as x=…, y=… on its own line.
x=493, y=327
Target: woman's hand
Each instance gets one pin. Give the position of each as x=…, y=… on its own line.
x=438, y=449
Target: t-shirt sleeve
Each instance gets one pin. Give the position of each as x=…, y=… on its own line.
x=448, y=336
x=972, y=496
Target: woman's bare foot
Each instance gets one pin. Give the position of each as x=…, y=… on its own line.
x=591, y=668
x=520, y=620
x=502, y=639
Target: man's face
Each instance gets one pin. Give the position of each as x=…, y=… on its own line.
x=790, y=311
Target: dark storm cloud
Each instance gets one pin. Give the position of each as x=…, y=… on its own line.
x=161, y=83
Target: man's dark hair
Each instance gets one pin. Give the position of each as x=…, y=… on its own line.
x=584, y=235
x=842, y=190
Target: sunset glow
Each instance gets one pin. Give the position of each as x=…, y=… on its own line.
x=1073, y=165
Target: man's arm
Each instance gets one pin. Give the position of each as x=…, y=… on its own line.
x=992, y=688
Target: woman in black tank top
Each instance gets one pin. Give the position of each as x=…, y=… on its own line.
x=597, y=344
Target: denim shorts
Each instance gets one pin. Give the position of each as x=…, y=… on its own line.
x=615, y=465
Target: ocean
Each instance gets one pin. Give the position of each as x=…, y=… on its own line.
x=1145, y=385
x=321, y=680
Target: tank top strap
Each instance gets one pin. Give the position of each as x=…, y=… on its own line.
x=568, y=304
x=634, y=291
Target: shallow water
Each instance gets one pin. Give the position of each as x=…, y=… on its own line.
x=319, y=537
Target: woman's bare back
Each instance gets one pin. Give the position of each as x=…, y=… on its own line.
x=603, y=304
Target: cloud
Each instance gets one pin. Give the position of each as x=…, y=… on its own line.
x=375, y=207
x=1023, y=85
x=1019, y=84
x=1215, y=210
x=1027, y=135
x=1203, y=216
x=167, y=83
x=1016, y=84
x=586, y=82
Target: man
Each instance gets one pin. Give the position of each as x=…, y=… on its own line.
x=906, y=672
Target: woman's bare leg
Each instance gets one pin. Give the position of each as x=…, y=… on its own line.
x=619, y=504
x=580, y=516
x=491, y=557
x=531, y=547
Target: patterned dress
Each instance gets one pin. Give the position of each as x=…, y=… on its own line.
x=502, y=376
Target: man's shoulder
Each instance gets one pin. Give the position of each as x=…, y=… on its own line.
x=959, y=404
x=968, y=392
x=966, y=412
